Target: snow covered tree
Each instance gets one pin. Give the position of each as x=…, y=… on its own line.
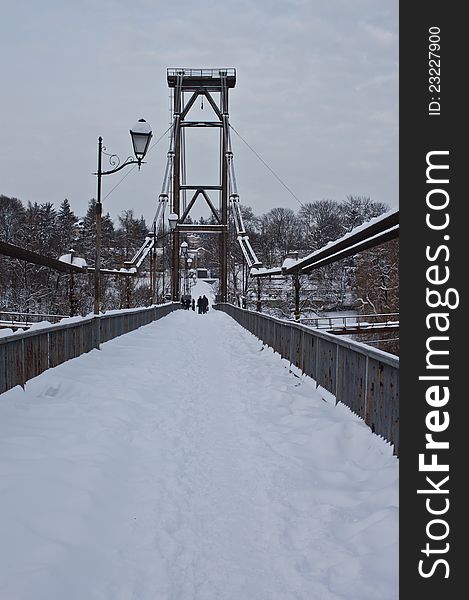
x=358, y=209
x=377, y=287
x=12, y=216
x=67, y=226
x=377, y=278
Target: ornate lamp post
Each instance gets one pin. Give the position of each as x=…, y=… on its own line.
x=141, y=135
x=189, y=264
x=173, y=219
x=185, y=255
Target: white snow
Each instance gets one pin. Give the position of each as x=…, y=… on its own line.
x=75, y=260
x=265, y=271
x=7, y=332
x=289, y=262
x=33, y=326
x=185, y=461
x=141, y=126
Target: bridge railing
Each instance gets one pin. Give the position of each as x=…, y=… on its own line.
x=363, y=378
x=26, y=355
x=27, y=318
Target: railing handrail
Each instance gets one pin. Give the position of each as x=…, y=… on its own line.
x=58, y=326
x=357, y=316
x=26, y=314
x=381, y=355
x=190, y=72
x=19, y=335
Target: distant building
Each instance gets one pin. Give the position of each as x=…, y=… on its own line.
x=202, y=274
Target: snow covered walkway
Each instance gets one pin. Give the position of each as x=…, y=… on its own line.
x=185, y=462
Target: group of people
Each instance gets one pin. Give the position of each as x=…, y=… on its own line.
x=202, y=303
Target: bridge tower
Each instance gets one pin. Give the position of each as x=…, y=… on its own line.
x=188, y=85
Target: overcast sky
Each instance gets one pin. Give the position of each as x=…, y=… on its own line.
x=316, y=95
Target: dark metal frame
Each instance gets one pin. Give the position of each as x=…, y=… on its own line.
x=201, y=82
x=13, y=251
x=115, y=162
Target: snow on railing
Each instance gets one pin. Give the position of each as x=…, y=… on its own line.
x=24, y=355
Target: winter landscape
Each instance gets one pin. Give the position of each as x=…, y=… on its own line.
x=199, y=315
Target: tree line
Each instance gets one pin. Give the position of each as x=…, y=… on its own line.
x=366, y=282
x=26, y=287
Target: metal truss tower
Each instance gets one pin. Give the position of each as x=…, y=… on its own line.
x=213, y=85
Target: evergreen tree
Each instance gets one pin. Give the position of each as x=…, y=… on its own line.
x=67, y=226
x=108, y=249
x=49, y=237
x=86, y=242
x=12, y=217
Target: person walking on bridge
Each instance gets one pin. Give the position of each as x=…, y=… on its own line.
x=199, y=305
x=204, y=304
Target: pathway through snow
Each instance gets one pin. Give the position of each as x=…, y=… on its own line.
x=183, y=461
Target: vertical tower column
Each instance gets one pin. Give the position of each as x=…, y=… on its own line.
x=224, y=200
x=176, y=204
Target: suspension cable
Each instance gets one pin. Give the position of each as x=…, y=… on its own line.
x=268, y=167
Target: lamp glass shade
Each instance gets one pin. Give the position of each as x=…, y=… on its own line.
x=184, y=248
x=173, y=218
x=141, y=135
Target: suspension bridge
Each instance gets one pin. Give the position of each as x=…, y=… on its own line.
x=156, y=452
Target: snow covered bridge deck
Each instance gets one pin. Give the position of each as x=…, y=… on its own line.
x=185, y=461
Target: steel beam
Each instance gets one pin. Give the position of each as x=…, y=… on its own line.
x=38, y=259
x=186, y=228
x=376, y=233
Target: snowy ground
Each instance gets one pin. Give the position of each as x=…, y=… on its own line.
x=183, y=461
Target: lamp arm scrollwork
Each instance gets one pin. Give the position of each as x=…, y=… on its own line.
x=115, y=160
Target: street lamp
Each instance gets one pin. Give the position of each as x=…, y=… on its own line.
x=141, y=135
x=173, y=218
x=185, y=256
x=184, y=249
x=189, y=263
